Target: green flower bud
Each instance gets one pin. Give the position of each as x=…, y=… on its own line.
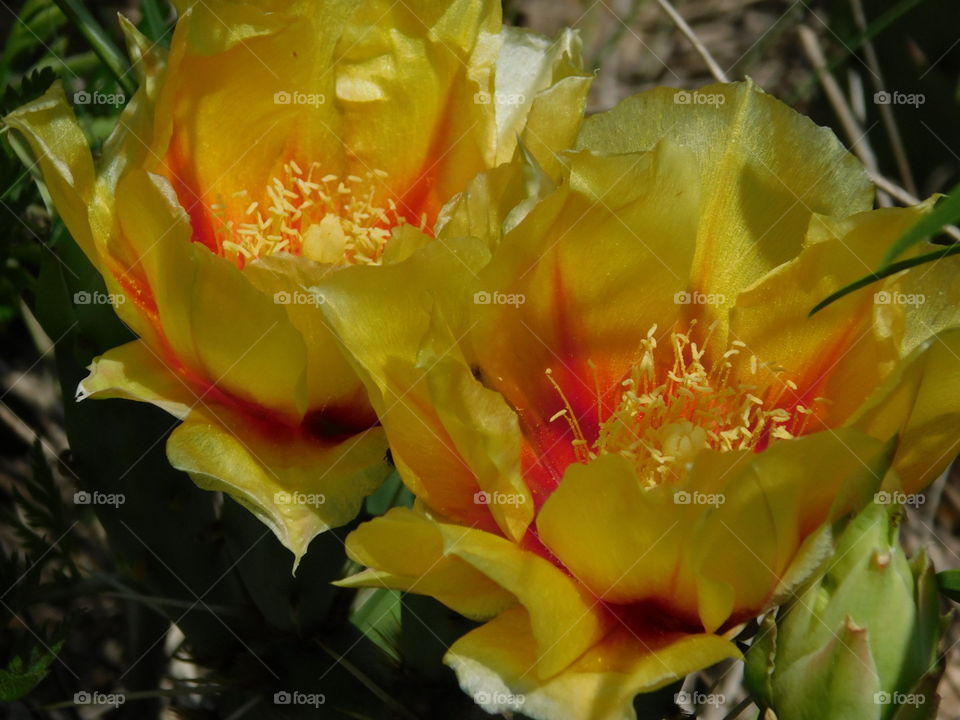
x=861, y=641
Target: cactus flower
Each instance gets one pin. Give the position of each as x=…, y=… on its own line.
x=625, y=435
x=275, y=143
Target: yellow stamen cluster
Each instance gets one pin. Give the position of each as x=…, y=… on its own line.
x=676, y=402
x=321, y=217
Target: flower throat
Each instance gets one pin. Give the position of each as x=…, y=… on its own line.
x=676, y=402
x=325, y=218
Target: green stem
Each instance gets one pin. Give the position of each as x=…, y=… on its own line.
x=101, y=43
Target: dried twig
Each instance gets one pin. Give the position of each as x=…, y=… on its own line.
x=855, y=135
x=701, y=49
x=886, y=110
x=898, y=193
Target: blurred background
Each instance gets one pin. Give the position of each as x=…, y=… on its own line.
x=95, y=601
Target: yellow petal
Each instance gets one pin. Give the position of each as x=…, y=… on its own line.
x=247, y=345
x=276, y=67
x=131, y=141
x=407, y=77
x=60, y=148
x=223, y=331
x=744, y=547
x=128, y=146
x=636, y=536
x=152, y=258
x=494, y=202
x=298, y=487
x=929, y=297
x=541, y=91
x=495, y=664
x=406, y=551
x=296, y=285
x=626, y=219
x=134, y=372
x=918, y=403
x=385, y=349
x=844, y=351
x=718, y=544
x=484, y=430
x=565, y=620
x=764, y=168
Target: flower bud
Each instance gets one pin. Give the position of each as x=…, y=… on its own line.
x=861, y=641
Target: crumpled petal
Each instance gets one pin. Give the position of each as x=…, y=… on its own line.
x=297, y=486
x=217, y=326
x=717, y=544
x=919, y=404
x=406, y=551
x=542, y=93
x=565, y=620
x=63, y=156
x=495, y=664
x=408, y=360
x=844, y=351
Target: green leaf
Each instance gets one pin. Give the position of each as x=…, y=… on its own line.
x=886, y=272
x=31, y=87
x=19, y=677
x=759, y=662
x=946, y=212
x=156, y=17
x=392, y=493
x=100, y=41
x=949, y=583
x=35, y=26
x=377, y=616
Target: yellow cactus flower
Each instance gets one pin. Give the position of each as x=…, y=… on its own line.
x=625, y=435
x=277, y=142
